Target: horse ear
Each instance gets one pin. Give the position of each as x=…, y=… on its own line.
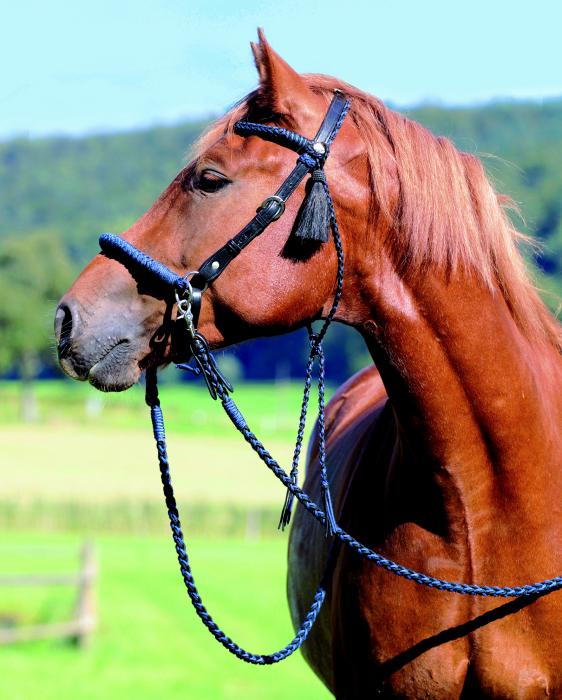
x=282, y=90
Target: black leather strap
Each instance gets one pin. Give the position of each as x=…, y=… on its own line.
x=335, y=110
x=216, y=263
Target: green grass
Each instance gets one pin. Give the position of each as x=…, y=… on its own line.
x=149, y=643
x=92, y=467
x=82, y=470
x=272, y=410
x=90, y=464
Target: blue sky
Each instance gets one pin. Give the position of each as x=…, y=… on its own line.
x=80, y=67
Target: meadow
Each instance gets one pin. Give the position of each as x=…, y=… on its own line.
x=67, y=479
x=91, y=457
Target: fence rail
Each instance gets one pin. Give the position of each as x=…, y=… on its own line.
x=81, y=626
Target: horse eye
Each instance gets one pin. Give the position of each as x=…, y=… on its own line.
x=210, y=181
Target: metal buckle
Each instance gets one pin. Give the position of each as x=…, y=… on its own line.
x=278, y=200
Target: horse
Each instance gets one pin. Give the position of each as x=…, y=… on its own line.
x=445, y=454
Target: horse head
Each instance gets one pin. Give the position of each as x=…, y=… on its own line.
x=111, y=325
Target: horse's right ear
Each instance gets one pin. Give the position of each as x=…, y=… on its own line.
x=282, y=90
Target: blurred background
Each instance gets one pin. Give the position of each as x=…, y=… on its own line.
x=99, y=104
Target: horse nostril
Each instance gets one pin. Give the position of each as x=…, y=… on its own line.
x=63, y=326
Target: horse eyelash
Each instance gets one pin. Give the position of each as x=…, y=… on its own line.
x=214, y=184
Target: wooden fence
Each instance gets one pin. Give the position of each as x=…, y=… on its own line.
x=83, y=622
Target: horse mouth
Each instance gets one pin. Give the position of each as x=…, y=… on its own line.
x=114, y=371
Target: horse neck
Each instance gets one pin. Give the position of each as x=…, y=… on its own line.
x=477, y=404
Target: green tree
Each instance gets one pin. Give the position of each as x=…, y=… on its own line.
x=34, y=272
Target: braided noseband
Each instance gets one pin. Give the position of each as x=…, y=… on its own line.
x=312, y=157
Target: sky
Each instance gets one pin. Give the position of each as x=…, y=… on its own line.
x=85, y=67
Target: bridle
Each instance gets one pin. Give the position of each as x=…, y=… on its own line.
x=188, y=290
x=313, y=154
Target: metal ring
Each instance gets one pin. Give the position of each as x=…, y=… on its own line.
x=189, y=275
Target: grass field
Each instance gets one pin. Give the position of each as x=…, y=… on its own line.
x=271, y=409
x=95, y=464
x=149, y=643
x=78, y=466
x=88, y=463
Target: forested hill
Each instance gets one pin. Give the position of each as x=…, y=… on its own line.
x=78, y=187
x=71, y=189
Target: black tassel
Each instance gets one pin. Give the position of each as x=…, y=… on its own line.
x=287, y=510
x=331, y=525
x=313, y=220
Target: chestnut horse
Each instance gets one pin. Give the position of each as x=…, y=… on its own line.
x=448, y=456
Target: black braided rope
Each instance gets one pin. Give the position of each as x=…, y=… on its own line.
x=398, y=569
x=219, y=388
x=183, y=558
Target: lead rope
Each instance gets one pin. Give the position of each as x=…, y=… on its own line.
x=302, y=633
x=175, y=525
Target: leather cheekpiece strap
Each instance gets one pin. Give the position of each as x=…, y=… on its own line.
x=216, y=263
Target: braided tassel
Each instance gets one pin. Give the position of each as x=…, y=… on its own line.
x=287, y=510
x=331, y=524
x=313, y=219
x=289, y=497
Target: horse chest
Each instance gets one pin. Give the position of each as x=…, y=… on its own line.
x=387, y=638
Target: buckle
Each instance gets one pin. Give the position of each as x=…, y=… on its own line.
x=277, y=200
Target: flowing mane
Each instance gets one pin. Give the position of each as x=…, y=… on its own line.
x=448, y=214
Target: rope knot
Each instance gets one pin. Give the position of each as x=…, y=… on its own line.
x=309, y=159
x=315, y=345
x=318, y=175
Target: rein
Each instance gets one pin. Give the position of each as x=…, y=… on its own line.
x=188, y=291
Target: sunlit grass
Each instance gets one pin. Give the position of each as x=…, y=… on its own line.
x=89, y=465
x=149, y=643
x=271, y=409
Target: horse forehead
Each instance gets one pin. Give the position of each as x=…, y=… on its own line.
x=239, y=153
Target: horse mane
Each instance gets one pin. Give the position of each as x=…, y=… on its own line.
x=447, y=214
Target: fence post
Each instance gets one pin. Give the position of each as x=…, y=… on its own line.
x=86, y=603
x=253, y=525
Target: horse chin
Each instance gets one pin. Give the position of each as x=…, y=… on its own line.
x=113, y=380
x=115, y=371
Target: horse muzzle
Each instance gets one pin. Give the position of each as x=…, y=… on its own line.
x=108, y=358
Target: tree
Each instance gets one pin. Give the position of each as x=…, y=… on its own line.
x=34, y=271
